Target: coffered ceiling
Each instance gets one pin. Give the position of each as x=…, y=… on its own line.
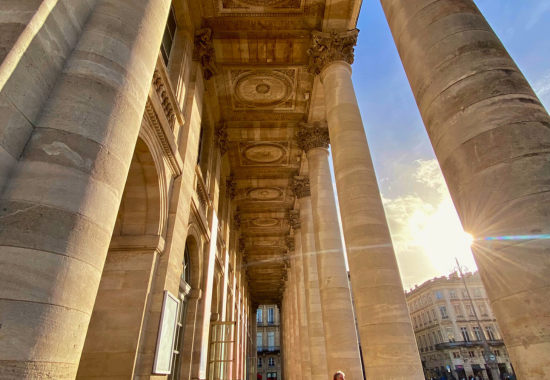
x=264, y=92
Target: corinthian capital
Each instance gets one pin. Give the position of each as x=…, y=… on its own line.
x=205, y=52
x=290, y=243
x=294, y=219
x=313, y=135
x=331, y=47
x=301, y=187
x=222, y=137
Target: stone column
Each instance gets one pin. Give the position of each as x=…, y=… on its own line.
x=490, y=134
x=316, y=332
x=387, y=340
x=300, y=296
x=67, y=189
x=339, y=323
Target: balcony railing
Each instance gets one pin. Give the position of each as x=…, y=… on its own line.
x=441, y=346
x=267, y=324
x=267, y=349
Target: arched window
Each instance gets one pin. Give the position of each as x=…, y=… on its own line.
x=186, y=273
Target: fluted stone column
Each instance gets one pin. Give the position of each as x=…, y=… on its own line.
x=301, y=296
x=490, y=134
x=339, y=323
x=67, y=189
x=316, y=332
x=387, y=339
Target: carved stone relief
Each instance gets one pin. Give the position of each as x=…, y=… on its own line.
x=231, y=185
x=265, y=194
x=262, y=4
x=264, y=153
x=205, y=52
x=222, y=138
x=294, y=219
x=263, y=89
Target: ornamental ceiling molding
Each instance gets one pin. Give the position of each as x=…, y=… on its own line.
x=331, y=47
x=222, y=138
x=263, y=89
x=265, y=223
x=262, y=6
x=205, y=52
x=266, y=153
x=300, y=186
x=265, y=194
x=313, y=135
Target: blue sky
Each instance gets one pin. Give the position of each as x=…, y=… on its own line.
x=422, y=219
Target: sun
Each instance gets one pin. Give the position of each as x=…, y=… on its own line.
x=468, y=239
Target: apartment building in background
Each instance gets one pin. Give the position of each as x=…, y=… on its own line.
x=268, y=327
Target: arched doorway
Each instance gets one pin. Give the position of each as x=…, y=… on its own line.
x=120, y=313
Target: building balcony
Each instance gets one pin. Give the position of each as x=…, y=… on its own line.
x=473, y=343
x=269, y=349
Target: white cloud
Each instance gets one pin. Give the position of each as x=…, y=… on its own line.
x=541, y=8
x=542, y=86
x=425, y=229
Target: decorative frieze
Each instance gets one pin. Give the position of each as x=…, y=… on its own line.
x=222, y=138
x=313, y=135
x=301, y=187
x=331, y=47
x=164, y=98
x=294, y=219
x=231, y=185
x=205, y=52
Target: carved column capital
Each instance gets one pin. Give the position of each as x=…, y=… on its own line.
x=231, y=184
x=331, y=47
x=205, y=52
x=313, y=135
x=290, y=243
x=301, y=188
x=237, y=220
x=294, y=219
x=242, y=244
x=222, y=137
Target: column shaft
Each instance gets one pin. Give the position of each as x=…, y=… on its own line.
x=339, y=324
x=383, y=317
x=301, y=302
x=491, y=135
x=316, y=332
x=67, y=189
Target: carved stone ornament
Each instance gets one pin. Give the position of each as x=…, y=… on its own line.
x=222, y=138
x=331, y=47
x=205, y=52
x=294, y=219
x=290, y=243
x=301, y=187
x=286, y=261
x=242, y=244
x=237, y=220
x=313, y=135
x=231, y=184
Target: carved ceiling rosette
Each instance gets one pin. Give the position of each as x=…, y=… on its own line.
x=222, y=137
x=301, y=187
x=290, y=243
x=294, y=219
x=331, y=47
x=231, y=184
x=205, y=52
x=313, y=135
x=237, y=220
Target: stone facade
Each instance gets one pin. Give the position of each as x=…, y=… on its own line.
x=158, y=153
x=268, y=343
x=446, y=329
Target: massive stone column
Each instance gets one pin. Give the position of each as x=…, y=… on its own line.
x=339, y=323
x=316, y=332
x=387, y=339
x=58, y=211
x=491, y=136
x=301, y=297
